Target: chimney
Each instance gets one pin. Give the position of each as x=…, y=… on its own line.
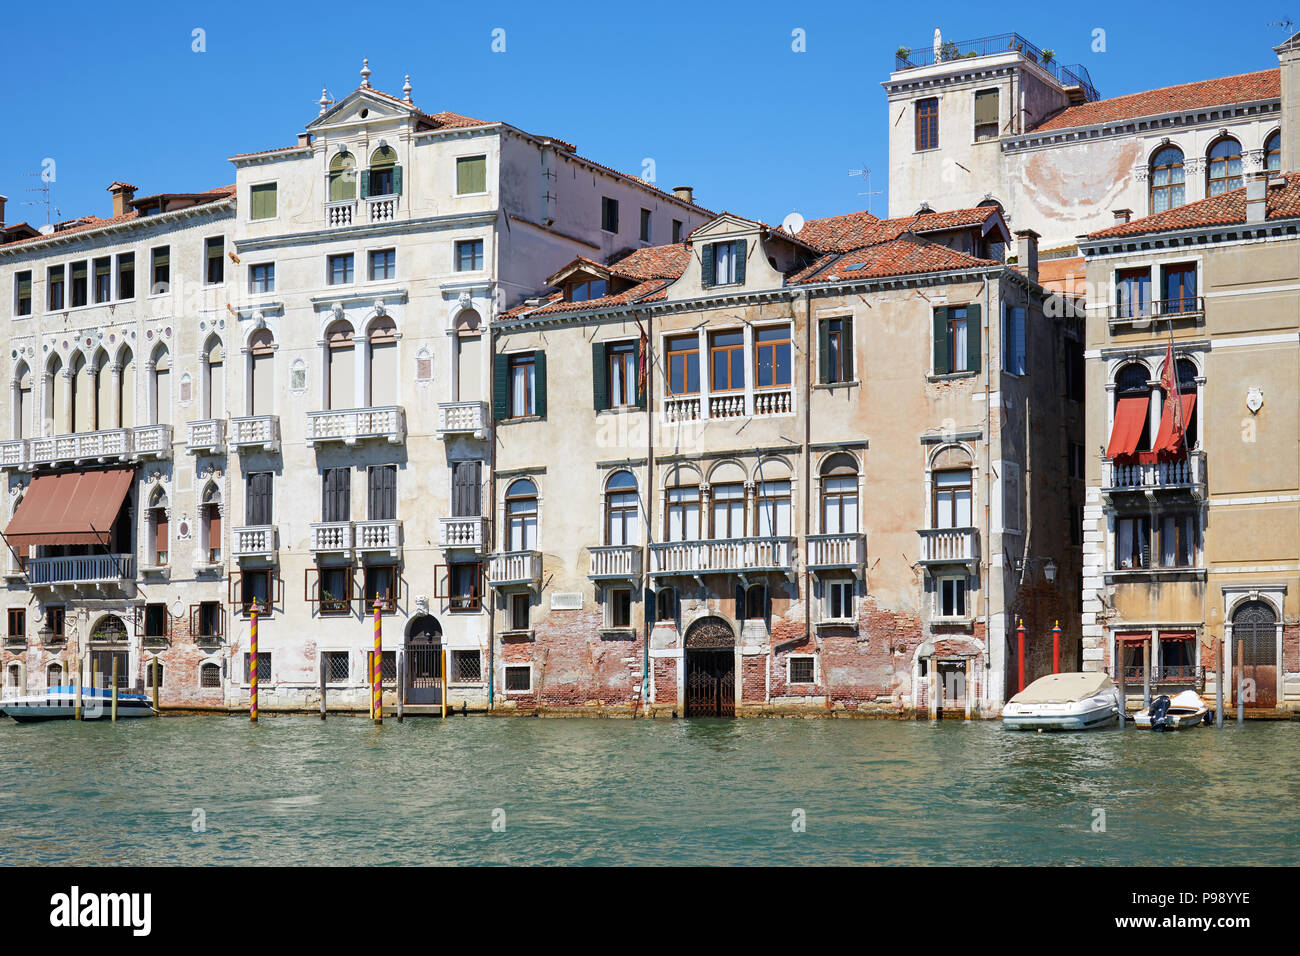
x=1256, y=187
x=123, y=194
x=304, y=139
x=1027, y=253
x=684, y=193
x=3, y=200
x=1122, y=216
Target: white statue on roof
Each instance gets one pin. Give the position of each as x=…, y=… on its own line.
x=938, y=44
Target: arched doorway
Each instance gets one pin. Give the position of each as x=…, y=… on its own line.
x=424, y=677
x=106, y=637
x=1254, y=639
x=710, y=669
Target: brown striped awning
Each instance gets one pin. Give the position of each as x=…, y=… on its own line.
x=76, y=507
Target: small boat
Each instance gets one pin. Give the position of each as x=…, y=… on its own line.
x=60, y=703
x=1072, y=701
x=1165, y=713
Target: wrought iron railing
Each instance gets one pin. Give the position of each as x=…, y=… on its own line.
x=906, y=58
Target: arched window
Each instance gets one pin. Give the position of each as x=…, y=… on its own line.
x=728, y=509
x=951, y=488
x=383, y=172
x=682, y=508
x=210, y=675
x=81, y=396
x=1132, y=401
x=54, y=675
x=15, y=678
x=343, y=178
x=340, y=365
x=158, y=532
x=1132, y=378
x=160, y=391
x=210, y=523
x=772, y=509
x=469, y=329
x=56, y=396
x=213, y=386
x=1273, y=152
x=105, y=401
x=839, y=476
x=125, y=399
x=381, y=376
x=757, y=605
x=1224, y=170
x=621, y=525
x=1167, y=188
x=261, y=373
x=666, y=606
x=22, y=402
x=521, y=515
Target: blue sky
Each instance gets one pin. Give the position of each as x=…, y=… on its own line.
x=713, y=93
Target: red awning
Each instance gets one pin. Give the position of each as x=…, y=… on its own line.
x=1130, y=420
x=73, y=508
x=1177, y=635
x=1133, y=638
x=1167, y=443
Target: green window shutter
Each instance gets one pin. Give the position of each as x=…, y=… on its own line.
x=849, y=371
x=397, y=180
x=262, y=200
x=500, y=387
x=974, y=330
x=824, y=351
x=471, y=174
x=599, y=377
x=539, y=395
x=740, y=260
x=651, y=605
x=706, y=265
x=365, y=183
x=940, y=341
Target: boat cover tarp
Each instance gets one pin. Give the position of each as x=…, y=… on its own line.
x=1063, y=688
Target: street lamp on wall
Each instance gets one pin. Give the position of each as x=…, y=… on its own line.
x=1049, y=570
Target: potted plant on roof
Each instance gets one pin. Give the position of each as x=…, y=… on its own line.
x=903, y=52
x=1049, y=56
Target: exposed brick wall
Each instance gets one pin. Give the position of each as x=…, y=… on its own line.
x=665, y=680
x=753, y=679
x=575, y=665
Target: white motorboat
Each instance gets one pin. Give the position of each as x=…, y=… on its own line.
x=1073, y=701
x=1165, y=713
x=60, y=703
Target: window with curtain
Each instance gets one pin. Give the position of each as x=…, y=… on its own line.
x=1132, y=543
x=1179, y=290
x=728, y=509
x=523, y=382
x=773, y=509
x=621, y=525
x=471, y=175
x=951, y=498
x=1224, y=172
x=521, y=515
x=1166, y=176
x=836, y=350
x=1178, y=540
x=1133, y=293
x=682, y=513
x=622, y=359
x=262, y=201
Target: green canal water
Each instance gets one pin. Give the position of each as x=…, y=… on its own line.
x=297, y=791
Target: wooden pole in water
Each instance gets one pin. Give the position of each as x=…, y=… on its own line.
x=1146, y=673
x=114, y=715
x=401, y=683
x=1123, y=686
x=444, y=682
x=76, y=710
x=378, y=683
x=934, y=689
x=322, y=685
x=153, y=669
x=1056, y=648
x=1241, y=684
x=252, y=665
x=1218, y=685
x=1020, y=653
x=970, y=686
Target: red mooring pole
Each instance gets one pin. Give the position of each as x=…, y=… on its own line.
x=1056, y=648
x=1020, y=653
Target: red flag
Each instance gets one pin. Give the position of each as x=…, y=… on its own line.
x=642, y=350
x=1168, y=380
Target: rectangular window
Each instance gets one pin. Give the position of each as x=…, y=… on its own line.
x=1013, y=344
x=1177, y=540
x=519, y=677
x=583, y=291
x=666, y=605
x=677, y=230
x=23, y=293
x=622, y=359
x=773, y=506
x=772, y=357
x=210, y=675
x=338, y=667
x=381, y=490
x=1132, y=293
x=336, y=494
x=684, y=365
x=1132, y=543
x=261, y=277
x=261, y=201
x=1179, y=288
x=952, y=499
x=465, y=586
x=256, y=586
x=839, y=600
x=927, y=123
x=728, y=510
x=339, y=269
x=17, y=624
x=608, y=214
x=471, y=175
x=952, y=597
x=263, y=666
x=103, y=279
x=728, y=263
x=382, y=583
x=55, y=619
x=837, y=350
x=986, y=115
x=155, y=620
x=214, y=260
x=523, y=381
x=519, y=606
x=682, y=514
x=467, y=667
x=618, y=607
x=727, y=361
x=802, y=670
x=126, y=275
x=334, y=589
x=161, y=274
x=956, y=330
x=756, y=603
x=469, y=255
x=209, y=620
x=383, y=264
x=54, y=283
x=259, y=498
x=645, y=225
x=78, y=285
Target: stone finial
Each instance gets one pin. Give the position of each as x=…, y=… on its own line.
x=406, y=89
x=365, y=73
x=324, y=100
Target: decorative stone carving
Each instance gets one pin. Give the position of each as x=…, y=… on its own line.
x=710, y=633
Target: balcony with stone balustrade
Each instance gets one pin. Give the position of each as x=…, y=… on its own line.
x=467, y=533
x=741, y=556
x=1184, y=474
x=88, y=448
x=615, y=562
x=463, y=418
x=512, y=569
x=837, y=552
x=347, y=426
x=255, y=433
x=91, y=569
x=331, y=537
x=956, y=546
x=378, y=537
x=206, y=437
x=255, y=541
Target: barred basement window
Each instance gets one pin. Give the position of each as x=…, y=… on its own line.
x=337, y=667
x=210, y=675
x=148, y=673
x=467, y=666
x=263, y=666
x=14, y=676
x=518, y=677
x=801, y=670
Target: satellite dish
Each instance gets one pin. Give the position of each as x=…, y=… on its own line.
x=792, y=223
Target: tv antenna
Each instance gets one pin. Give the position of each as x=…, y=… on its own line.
x=44, y=189
x=864, y=171
x=1286, y=24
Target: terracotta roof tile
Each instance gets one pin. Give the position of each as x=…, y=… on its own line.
x=904, y=255
x=1282, y=202
x=94, y=222
x=1242, y=88
x=858, y=229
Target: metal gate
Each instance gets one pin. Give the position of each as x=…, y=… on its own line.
x=1254, y=636
x=424, y=673
x=710, y=684
x=101, y=670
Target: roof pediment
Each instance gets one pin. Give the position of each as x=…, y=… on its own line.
x=375, y=105
x=725, y=224
x=580, y=267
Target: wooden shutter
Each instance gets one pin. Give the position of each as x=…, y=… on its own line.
x=259, y=498
x=740, y=602
x=848, y=373
x=650, y=601
x=500, y=386
x=824, y=351
x=739, y=252
x=365, y=183
x=539, y=393
x=465, y=482
x=160, y=532
x=1022, y=355
x=706, y=266
x=974, y=329
x=599, y=377
x=941, y=341
x=383, y=493
x=397, y=180
x=338, y=495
